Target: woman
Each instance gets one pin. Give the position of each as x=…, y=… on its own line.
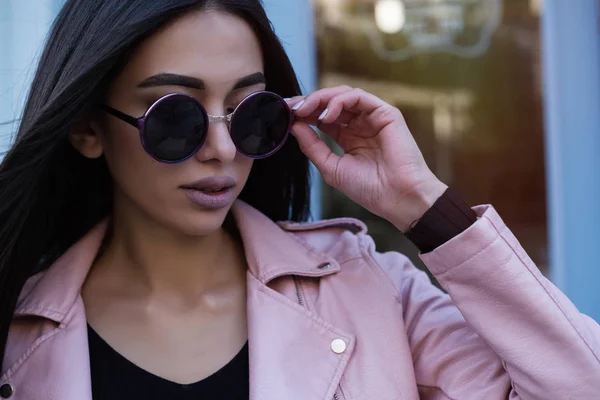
x=144, y=261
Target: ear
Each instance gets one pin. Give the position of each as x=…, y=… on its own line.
x=86, y=138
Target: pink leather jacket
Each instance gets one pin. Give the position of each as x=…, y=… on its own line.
x=330, y=318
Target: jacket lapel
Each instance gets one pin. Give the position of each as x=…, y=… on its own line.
x=291, y=354
x=48, y=338
x=57, y=366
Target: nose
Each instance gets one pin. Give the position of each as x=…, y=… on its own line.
x=218, y=144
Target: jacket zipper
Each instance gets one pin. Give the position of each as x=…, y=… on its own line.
x=335, y=396
x=299, y=292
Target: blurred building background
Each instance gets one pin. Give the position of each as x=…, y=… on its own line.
x=503, y=97
x=466, y=75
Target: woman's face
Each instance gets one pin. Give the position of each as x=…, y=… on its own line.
x=214, y=57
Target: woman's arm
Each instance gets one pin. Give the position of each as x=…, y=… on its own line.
x=511, y=319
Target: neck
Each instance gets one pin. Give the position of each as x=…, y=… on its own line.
x=163, y=264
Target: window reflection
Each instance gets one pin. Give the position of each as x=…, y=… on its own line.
x=466, y=75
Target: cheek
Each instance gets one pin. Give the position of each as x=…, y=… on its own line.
x=134, y=171
x=121, y=143
x=242, y=166
x=123, y=151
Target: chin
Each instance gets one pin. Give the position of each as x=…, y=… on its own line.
x=201, y=222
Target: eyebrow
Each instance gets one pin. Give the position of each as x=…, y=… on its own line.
x=166, y=79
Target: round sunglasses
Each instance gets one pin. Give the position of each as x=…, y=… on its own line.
x=175, y=126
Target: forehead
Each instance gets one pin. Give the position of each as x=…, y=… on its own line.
x=211, y=45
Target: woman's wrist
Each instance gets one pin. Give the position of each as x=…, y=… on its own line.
x=422, y=200
x=449, y=216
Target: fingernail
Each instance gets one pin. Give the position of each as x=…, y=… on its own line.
x=297, y=106
x=323, y=115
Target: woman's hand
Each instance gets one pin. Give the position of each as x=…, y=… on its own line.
x=382, y=168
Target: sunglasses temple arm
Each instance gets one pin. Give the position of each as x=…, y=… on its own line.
x=122, y=116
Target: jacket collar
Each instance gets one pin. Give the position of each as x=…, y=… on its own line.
x=271, y=252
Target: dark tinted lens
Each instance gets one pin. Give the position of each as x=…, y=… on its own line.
x=259, y=125
x=174, y=128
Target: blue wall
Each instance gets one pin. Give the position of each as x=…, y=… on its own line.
x=23, y=27
x=571, y=61
x=294, y=24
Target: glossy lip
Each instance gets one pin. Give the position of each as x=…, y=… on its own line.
x=223, y=198
x=211, y=201
x=211, y=183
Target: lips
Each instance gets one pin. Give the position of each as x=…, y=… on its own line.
x=211, y=193
x=217, y=190
x=213, y=184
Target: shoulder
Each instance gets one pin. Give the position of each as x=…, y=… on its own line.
x=348, y=242
x=338, y=238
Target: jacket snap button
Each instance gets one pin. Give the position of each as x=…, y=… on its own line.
x=338, y=346
x=6, y=391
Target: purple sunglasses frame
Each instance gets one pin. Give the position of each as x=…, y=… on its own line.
x=140, y=123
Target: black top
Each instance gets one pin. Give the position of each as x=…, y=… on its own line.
x=116, y=378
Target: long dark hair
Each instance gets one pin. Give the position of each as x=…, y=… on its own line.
x=49, y=194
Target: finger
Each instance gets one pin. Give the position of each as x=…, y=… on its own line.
x=318, y=117
x=331, y=130
x=357, y=100
x=315, y=149
x=318, y=100
x=292, y=101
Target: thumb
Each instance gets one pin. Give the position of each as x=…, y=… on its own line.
x=315, y=149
